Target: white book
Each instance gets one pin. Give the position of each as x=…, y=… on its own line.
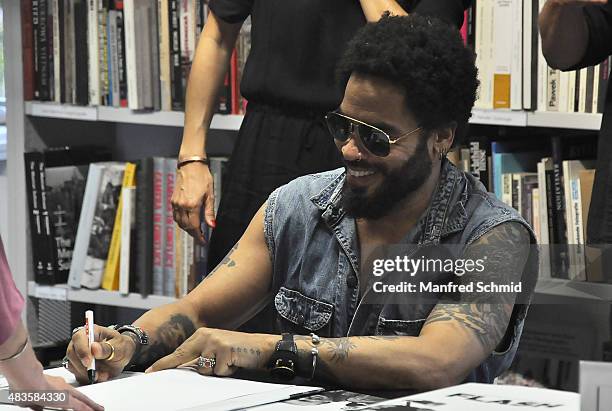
x=583, y=91
x=571, y=91
x=507, y=189
x=133, y=90
x=535, y=213
x=107, y=200
x=503, y=51
x=164, y=55
x=113, y=58
x=128, y=197
x=516, y=57
x=81, y=242
x=595, y=88
x=529, y=53
x=543, y=206
x=188, y=29
x=564, y=79
x=484, y=48
x=57, y=84
x=488, y=397
x=552, y=89
x=93, y=52
x=542, y=70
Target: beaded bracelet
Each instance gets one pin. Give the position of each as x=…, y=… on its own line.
x=315, y=353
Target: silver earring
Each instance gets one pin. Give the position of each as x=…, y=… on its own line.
x=442, y=153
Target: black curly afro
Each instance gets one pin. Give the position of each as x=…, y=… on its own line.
x=426, y=57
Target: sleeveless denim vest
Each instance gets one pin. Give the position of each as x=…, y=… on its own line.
x=315, y=258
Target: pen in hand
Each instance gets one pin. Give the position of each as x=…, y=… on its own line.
x=89, y=330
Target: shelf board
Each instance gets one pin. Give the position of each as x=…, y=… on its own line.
x=499, y=117
x=124, y=115
x=112, y=298
x=575, y=289
x=578, y=121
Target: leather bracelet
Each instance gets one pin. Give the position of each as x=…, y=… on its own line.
x=18, y=353
x=192, y=159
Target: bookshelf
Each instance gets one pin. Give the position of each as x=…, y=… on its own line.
x=111, y=298
x=576, y=121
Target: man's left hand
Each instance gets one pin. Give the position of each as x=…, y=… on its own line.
x=230, y=350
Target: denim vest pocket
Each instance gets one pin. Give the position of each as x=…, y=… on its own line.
x=399, y=327
x=302, y=314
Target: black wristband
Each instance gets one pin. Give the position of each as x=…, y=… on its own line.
x=283, y=362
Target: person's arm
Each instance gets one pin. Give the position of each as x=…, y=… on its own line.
x=194, y=187
x=563, y=47
x=374, y=9
x=225, y=299
x=389, y=362
x=25, y=374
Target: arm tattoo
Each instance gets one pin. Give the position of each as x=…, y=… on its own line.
x=166, y=339
x=255, y=353
x=506, y=248
x=228, y=261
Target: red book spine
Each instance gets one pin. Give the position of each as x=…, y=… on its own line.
x=27, y=38
x=464, y=27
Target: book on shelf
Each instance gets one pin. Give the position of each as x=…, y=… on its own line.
x=118, y=53
x=126, y=265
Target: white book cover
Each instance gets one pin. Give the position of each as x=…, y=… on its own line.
x=128, y=218
x=528, y=52
x=535, y=210
x=564, y=80
x=542, y=70
x=516, y=57
x=571, y=91
x=113, y=58
x=543, y=206
x=595, y=88
x=552, y=89
x=582, y=92
x=103, y=221
x=93, y=52
x=484, y=47
x=503, y=49
x=164, y=55
x=81, y=242
x=487, y=397
x=507, y=189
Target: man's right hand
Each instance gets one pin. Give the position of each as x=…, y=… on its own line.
x=79, y=356
x=192, y=191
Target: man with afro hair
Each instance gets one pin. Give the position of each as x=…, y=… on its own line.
x=305, y=262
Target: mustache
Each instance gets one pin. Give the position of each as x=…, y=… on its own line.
x=359, y=164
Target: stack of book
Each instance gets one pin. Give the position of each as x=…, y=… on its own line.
x=512, y=70
x=119, y=53
x=110, y=225
x=549, y=182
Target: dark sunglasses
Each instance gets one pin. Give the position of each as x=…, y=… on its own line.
x=374, y=139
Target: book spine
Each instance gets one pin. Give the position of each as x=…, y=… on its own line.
x=516, y=192
x=42, y=50
x=604, y=74
x=130, y=55
x=68, y=51
x=154, y=48
x=516, y=56
x=580, y=269
x=81, y=243
x=552, y=91
x=121, y=49
x=113, y=61
x=596, y=77
x=535, y=210
x=507, y=188
x=542, y=69
x=542, y=206
x=93, y=52
x=187, y=39
x=561, y=261
x=50, y=251
x=144, y=233
x=169, y=258
x=31, y=160
x=582, y=92
x=103, y=55
x=159, y=195
x=56, y=51
x=164, y=55
x=588, y=103
x=50, y=54
x=127, y=224
x=27, y=41
x=81, y=53
x=175, y=55
x=234, y=83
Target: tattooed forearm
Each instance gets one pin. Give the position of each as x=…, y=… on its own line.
x=228, y=261
x=163, y=341
x=253, y=352
x=505, y=250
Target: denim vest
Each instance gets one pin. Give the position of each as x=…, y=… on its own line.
x=315, y=258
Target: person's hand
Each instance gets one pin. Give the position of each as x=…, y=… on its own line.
x=194, y=189
x=74, y=400
x=108, y=364
x=229, y=349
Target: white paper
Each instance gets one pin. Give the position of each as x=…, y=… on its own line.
x=488, y=397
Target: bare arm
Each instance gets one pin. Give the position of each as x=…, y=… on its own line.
x=374, y=9
x=564, y=31
x=429, y=361
x=194, y=188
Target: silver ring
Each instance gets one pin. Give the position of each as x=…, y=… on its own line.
x=205, y=362
x=65, y=362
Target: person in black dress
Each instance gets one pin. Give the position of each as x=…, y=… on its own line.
x=289, y=83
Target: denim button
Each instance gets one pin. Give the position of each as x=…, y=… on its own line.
x=351, y=281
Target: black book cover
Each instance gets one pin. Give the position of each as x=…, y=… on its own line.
x=176, y=71
x=62, y=46
x=144, y=218
x=604, y=75
x=480, y=151
x=560, y=258
x=42, y=50
x=49, y=250
x=32, y=160
x=81, y=52
x=50, y=52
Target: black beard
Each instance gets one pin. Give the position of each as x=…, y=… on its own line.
x=396, y=186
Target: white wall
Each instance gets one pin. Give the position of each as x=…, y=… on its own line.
x=3, y=201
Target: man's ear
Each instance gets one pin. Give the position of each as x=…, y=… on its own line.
x=446, y=135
